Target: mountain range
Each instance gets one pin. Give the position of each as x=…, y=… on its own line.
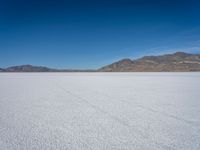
x=176, y=62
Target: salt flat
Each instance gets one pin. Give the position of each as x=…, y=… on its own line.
x=100, y=111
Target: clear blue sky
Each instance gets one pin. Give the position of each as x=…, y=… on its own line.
x=89, y=34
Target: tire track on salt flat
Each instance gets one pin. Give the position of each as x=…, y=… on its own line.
x=81, y=142
x=195, y=124
x=94, y=106
x=120, y=121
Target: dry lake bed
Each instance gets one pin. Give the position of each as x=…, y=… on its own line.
x=100, y=111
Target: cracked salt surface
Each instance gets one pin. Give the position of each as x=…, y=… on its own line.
x=100, y=111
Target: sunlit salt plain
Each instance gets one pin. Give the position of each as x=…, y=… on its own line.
x=100, y=111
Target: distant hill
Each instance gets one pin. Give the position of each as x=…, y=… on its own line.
x=30, y=68
x=177, y=62
x=1, y=69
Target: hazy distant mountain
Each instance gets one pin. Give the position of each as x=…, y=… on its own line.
x=178, y=61
x=1, y=69
x=29, y=68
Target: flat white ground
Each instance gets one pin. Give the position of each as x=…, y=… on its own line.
x=100, y=111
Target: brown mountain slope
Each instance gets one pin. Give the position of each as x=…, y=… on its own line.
x=178, y=61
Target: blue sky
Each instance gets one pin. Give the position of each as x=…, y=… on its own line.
x=89, y=34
